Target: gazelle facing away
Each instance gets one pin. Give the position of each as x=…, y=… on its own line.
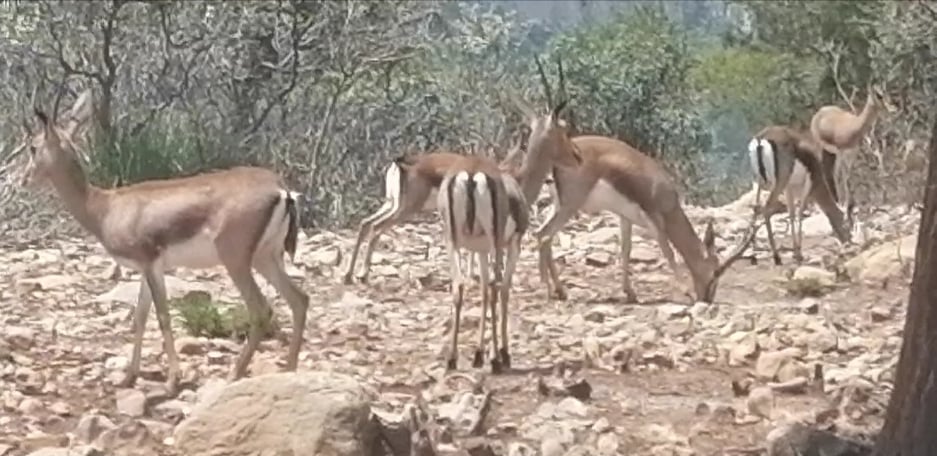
x=411, y=184
x=841, y=132
x=593, y=174
x=243, y=218
x=483, y=211
x=784, y=160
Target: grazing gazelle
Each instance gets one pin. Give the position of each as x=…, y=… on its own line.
x=596, y=173
x=840, y=132
x=783, y=159
x=243, y=218
x=411, y=184
x=484, y=211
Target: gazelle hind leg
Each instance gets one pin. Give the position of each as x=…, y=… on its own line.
x=458, y=293
x=273, y=270
x=365, y=231
x=792, y=218
x=483, y=273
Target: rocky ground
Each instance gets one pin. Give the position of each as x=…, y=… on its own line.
x=592, y=375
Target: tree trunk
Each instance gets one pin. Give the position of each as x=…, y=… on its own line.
x=911, y=421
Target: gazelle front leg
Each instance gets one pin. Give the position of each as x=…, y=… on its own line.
x=566, y=206
x=155, y=281
x=514, y=249
x=142, y=310
x=625, y=226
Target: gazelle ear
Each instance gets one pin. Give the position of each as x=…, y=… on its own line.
x=709, y=239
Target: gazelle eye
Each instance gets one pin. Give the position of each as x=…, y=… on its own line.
x=32, y=150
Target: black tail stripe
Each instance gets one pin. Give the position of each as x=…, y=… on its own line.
x=761, y=161
x=494, y=209
x=292, y=232
x=470, y=205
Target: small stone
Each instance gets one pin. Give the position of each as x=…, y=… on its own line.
x=769, y=363
x=601, y=425
x=60, y=408
x=814, y=274
x=879, y=314
x=190, y=346
x=761, y=402
x=215, y=358
x=672, y=310
x=91, y=426
x=551, y=446
x=131, y=402
x=30, y=406
x=572, y=407
x=809, y=306
x=599, y=259
x=19, y=338
x=607, y=444
x=116, y=363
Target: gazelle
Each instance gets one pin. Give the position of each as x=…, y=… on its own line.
x=841, y=132
x=243, y=218
x=595, y=173
x=411, y=184
x=484, y=211
x=783, y=159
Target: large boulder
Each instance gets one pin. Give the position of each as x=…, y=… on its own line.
x=282, y=414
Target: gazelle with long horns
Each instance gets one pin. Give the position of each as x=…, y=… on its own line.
x=783, y=159
x=841, y=132
x=595, y=173
x=243, y=218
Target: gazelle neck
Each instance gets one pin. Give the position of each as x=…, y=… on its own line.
x=84, y=201
x=685, y=240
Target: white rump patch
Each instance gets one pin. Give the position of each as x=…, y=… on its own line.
x=767, y=158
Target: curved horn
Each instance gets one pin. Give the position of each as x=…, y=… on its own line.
x=548, y=91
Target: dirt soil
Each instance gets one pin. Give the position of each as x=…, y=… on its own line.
x=661, y=372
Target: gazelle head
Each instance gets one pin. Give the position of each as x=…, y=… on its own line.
x=706, y=273
x=53, y=141
x=879, y=96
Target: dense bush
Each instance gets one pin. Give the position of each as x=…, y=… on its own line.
x=327, y=92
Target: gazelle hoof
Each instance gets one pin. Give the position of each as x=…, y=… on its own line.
x=495, y=366
x=777, y=260
x=559, y=294
x=451, y=364
x=505, y=358
x=479, y=359
x=348, y=279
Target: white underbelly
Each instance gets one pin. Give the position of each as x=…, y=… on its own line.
x=197, y=252
x=604, y=197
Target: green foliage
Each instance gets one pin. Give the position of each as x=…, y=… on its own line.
x=628, y=78
x=203, y=317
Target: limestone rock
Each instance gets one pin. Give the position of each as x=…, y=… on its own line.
x=282, y=413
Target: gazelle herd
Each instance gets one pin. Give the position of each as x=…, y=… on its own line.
x=245, y=218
